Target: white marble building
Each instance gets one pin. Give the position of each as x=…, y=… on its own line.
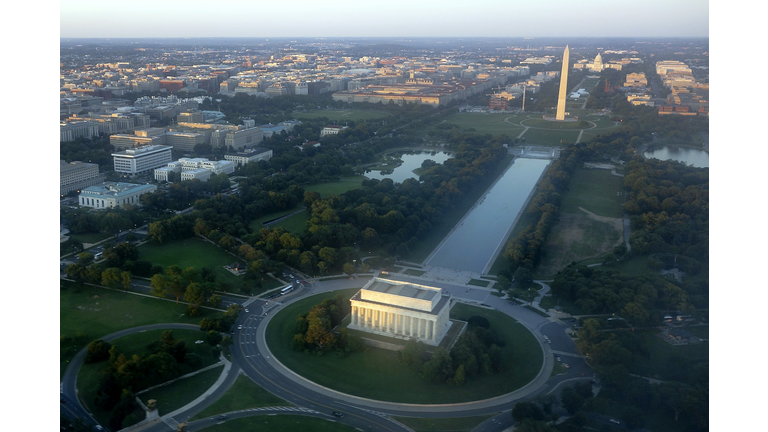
x=401, y=310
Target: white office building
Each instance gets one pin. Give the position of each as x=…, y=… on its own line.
x=111, y=195
x=194, y=169
x=142, y=159
x=241, y=159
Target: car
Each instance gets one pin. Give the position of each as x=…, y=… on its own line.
x=290, y=276
x=222, y=417
x=303, y=282
x=557, y=358
x=240, y=327
x=337, y=414
x=246, y=311
x=63, y=400
x=549, y=341
x=565, y=365
x=199, y=341
x=614, y=421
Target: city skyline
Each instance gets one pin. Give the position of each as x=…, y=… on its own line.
x=482, y=18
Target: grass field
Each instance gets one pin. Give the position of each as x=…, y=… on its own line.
x=257, y=224
x=336, y=188
x=243, y=394
x=96, y=312
x=377, y=373
x=91, y=237
x=295, y=224
x=596, y=190
x=456, y=424
x=197, y=253
x=89, y=374
x=341, y=115
x=550, y=137
x=280, y=423
x=191, y=252
x=175, y=395
x=590, y=223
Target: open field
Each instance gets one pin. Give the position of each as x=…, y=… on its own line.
x=578, y=236
x=341, y=115
x=280, y=423
x=457, y=424
x=244, y=394
x=191, y=252
x=295, y=224
x=96, y=312
x=550, y=137
x=175, y=395
x=378, y=374
x=197, y=253
x=336, y=188
x=482, y=123
x=595, y=190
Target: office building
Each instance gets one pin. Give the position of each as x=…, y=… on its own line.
x=142, y=159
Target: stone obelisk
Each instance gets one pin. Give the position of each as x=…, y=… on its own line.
x=563, y=87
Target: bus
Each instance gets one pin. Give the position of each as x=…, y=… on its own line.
x=286, y=290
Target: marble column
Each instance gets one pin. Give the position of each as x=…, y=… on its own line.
x=561, y=98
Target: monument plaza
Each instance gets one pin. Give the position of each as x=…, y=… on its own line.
x=401, y=310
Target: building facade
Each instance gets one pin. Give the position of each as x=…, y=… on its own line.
x=194, y=169
x=401, y=310
x=241, y=159
x=142, y=159
x=78, y=175
x=111, y=195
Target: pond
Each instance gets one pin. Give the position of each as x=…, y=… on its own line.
x=473, y=244
x=689, y=156
x=411, y=161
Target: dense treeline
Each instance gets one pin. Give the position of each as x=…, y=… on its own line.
x=96, y=150
x=126, y=374
x=683, y=392
x=525, y=250
x=642, y=300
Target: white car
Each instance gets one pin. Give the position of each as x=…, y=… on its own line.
x=246, y=311
x=240, y=327
x=614, y=421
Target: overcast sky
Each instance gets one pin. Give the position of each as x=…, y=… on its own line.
x=413, y=18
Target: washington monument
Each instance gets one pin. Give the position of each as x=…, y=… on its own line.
x=563, y=87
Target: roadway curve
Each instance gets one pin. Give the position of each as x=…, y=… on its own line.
x=251, y=355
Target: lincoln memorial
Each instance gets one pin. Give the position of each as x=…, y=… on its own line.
x=401, y=310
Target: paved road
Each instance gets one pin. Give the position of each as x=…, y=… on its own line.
x=251, y=354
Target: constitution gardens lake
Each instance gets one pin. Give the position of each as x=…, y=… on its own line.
x=689, y=156
x=474, y=243
x=411, y=161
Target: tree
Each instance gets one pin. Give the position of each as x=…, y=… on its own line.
x=527, y=410
x=319, y=329
x=111, y=277
x=125, y=279
x=98, y=350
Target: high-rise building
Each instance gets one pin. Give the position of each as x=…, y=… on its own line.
x=563, y=86
x=138, y=160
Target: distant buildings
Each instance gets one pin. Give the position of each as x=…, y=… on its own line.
x=142, y=159
x=112, y=195
x=194, y=169
x=331, y=130
x=241, y=159
x=77, y=175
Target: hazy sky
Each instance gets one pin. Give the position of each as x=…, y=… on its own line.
x=342, y=18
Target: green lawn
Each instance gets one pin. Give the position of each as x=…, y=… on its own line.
x=482, y=123
x=174, y=396
x=341, y=115
x=455, y=424
x=336, y=188
x=596, y=190
x=550, y=137
x=377, y=373
x=258, y=224
x=91, y=237
x=243, y=394
x=89, y=374
x=96, y=312
x=413, y=272
x=197, y=253
x=478, y=282
x=666, y=361
x=280, y=423
x=295, y=224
